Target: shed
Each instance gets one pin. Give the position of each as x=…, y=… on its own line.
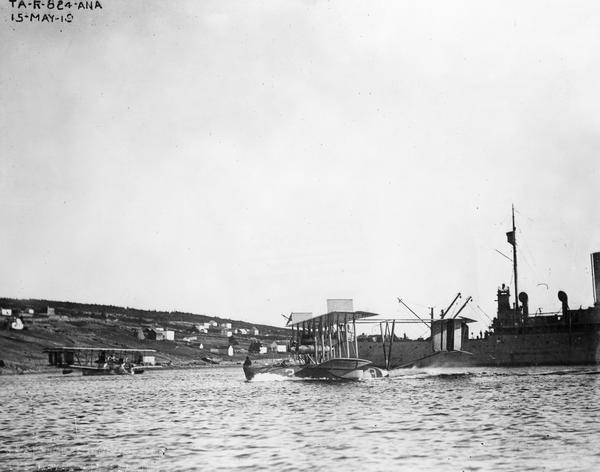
x=156, y=334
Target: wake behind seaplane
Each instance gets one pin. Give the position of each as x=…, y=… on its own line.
x=101, y=361
x=324, y=347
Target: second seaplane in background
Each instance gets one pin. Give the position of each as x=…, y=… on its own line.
x=101, y=361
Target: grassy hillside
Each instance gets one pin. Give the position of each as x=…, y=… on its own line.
x=88, y=325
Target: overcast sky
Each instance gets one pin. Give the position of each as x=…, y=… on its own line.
x=247, y=159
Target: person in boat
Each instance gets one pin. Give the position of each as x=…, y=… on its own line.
x=247, y=362
x=101, y=358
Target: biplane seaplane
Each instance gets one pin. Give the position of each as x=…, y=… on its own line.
x=101, y=361
x=324, y=347
x=327, y=346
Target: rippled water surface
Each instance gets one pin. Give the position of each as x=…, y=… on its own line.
x=212, y=419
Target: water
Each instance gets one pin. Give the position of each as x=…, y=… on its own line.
x=212, y=419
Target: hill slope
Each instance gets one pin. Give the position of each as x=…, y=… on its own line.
x=91, y=325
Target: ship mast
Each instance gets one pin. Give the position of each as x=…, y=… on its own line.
x=514, y=245
x=512, y=240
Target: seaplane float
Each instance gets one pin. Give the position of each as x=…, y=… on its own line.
x=324, y=347
x=101, y=361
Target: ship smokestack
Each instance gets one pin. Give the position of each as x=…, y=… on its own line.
x=562, y=296
x=524, y=299
x=596, y=277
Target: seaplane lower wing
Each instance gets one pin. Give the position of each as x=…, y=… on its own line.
x=82, y=367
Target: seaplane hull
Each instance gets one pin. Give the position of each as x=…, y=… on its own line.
x=342, y=369
x=118, y=370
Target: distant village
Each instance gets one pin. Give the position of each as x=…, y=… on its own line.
x=213, y=339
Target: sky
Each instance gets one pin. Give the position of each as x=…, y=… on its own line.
x=250, y=159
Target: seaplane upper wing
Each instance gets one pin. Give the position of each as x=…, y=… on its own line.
x=328, y=319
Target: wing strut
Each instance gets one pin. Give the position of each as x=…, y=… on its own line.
x=409, y=309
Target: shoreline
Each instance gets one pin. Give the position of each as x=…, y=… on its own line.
x=47, y=369
x=54, y=370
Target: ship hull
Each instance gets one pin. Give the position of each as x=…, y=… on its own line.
x=576, y=348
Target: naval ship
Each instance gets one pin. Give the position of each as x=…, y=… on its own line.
x=516, y=336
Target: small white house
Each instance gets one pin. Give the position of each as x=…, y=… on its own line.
x=262, y=350
x=226, y=325
x=169, y=335
x=275, y=347
x=254, y=331
x=50, y=311
x=213, y=323
x=226, y=332
x=242, y=331
x=6, y=312
x=189, y=339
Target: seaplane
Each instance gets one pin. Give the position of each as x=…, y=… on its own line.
x=327, y=346
x=101, y=361
x=324, y=347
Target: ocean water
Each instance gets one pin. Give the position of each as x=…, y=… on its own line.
x=212, y=419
